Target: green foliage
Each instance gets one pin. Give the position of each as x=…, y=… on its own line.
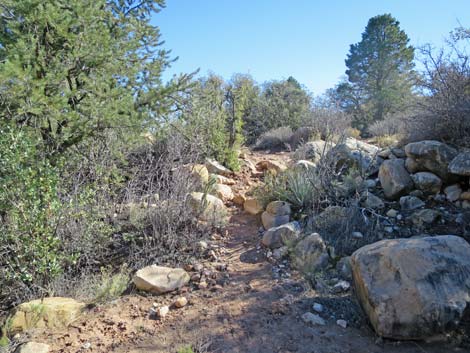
x=111, y=286
x=380, y=72
x=186, y=349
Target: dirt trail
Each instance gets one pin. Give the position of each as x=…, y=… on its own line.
x=248, y=311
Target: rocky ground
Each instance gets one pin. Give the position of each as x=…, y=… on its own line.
x=239, y=299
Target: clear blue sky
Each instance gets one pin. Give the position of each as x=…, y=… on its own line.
x=307, y=39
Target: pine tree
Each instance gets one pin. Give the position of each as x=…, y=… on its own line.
x=380, y=70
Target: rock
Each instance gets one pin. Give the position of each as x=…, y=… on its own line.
x=465, y=196
x=279, y=254
x=310, y=254
x=432, y=156
x=180, y=302
x=341, y=158
x=426, y=216
x=357, y=235
x=342, y=323
x=313, y=319
x=206, y=207
x=217, y=168
x=271, y=166
x=279, y=208
x=361, y=146
x=317, y=307
x=305, y=165
x=224, y=192
x=392, y=213
x=453, y=192
x=372, y=201
x=460, y=165
x=239, y=199
x=223, y=180
x=411, y=165
x=252, y=206
x=270, y=221
x=417, y=193
x=410, y=203
x=466, y=205
x=196, y=174
x=159, y=279
x=399, y=152
x=341, y=287
x=51, y=313
x=282, y=235
x=313, y=150
x=394, y=178
x=162, y=311
x=370, y=183
x=33, y=347
x=413, y=288
x=385, y=153
x=427, y=182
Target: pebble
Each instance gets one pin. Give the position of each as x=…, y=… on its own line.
x=341, y=286
x=162, y=311
x=318, y=307
x=181, y=302
x=310, y=318
x=357, y=235
x=392, y=213
x=342, y=323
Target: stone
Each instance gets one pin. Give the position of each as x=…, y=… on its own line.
x=341, y=287
x=385, y=153
x=280, y=253
x=216, y=168
x=413, y=288
x=283, y=235
x=253, y=206
x=410, y=203
x=220, y=179
x=206, y=207
x=52, y=313
x=310, y=254
x=395, y=179
x=372, y=201
x=466, y=205
x=313, y=319
x=180, y=302
x=33, y=347
x=279, y=208
x=460, y=165
x=411, y=165
x=427, y=182
x=313, y=150
x=239, y=199
x=162, y=311
x=426, y=216
x=270, y=221
x=399, y=152
x=305, y=165
x=417, y=193
x=432, y=156
x=317, y=307
x=343, y=266
x=370, y=183
x=271, y=166
x=196, y=174
x=453, y=192
x=465, y=196
x=392, y=213
x=223, y=192
x=342, y=323
x=357, y=235
x=159, y=279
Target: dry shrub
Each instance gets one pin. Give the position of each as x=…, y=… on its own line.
x=329, y=122
x=302, y=135
x=279, y=138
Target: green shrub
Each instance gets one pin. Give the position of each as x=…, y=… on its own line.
x=110, y=286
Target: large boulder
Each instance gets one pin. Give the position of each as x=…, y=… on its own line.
x=206, y=207
x=427, y=182
x=394, y=178
x=413, y=288
x=310, y=254
x=283, y=235
x=159, y=279
x=460, y=165
x=51, y=313
x=432, y=156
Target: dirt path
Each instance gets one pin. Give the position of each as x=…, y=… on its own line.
x=251, y=309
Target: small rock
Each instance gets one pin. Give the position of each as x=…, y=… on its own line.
x=342, y=323
x=318, y=307
x=372, y=201
x=341, y=286
x=86, y=345
x=279, y=236
x=453, y=192
x=313, y=319
x=202, y=285
x=410, y=203
x=357, y=235
x=159, y=279
x=392, y=213
x=33, y=347
x=181, y=302
x=280, y=253
x=426, y=216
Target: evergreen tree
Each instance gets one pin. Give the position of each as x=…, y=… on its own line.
x=72, y=69
x=380, y=71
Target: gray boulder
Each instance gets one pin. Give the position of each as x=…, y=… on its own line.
x=394, y=178
x=413, y=288
x=159, y=279
x=427, y=182
x=432, y=156
x=283, y=235
x=310, y=254
x=460, y=165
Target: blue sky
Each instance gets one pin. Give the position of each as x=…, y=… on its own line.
x=307, y=39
